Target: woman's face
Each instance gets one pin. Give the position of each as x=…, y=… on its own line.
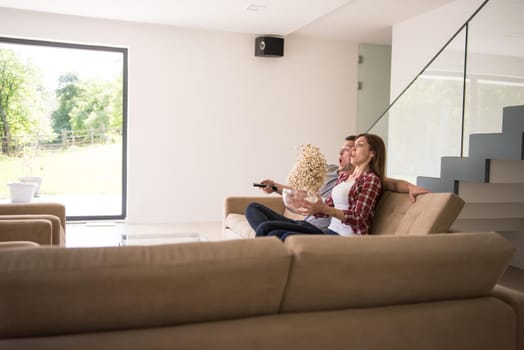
x=361, y=153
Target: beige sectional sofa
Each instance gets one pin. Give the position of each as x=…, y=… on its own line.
x=395, y=214
x=412, y=292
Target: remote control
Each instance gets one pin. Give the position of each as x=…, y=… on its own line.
x=273, y=187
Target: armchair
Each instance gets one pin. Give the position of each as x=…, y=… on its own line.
x=42, y=223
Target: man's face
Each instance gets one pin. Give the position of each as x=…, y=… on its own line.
x=344, y=156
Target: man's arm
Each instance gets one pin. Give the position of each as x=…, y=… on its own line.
x=405, y=187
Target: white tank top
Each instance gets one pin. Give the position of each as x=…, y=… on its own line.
x=341, y=201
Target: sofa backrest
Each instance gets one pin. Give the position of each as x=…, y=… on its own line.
x=50, y=291
x=330, y=272
x=430, y=213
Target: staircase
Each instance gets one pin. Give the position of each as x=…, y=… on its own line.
x=491, y=182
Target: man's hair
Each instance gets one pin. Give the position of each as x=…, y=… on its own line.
x=351, y=138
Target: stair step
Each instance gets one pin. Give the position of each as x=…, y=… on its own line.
x=475, y=192
x=493, y=211
x=496, y=146
x=486, y=225
x=465, y=169
x=506, y=171
x=512, y=118
x=435, y=184
x=506, y=145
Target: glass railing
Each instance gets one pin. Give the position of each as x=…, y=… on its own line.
x=460, y=92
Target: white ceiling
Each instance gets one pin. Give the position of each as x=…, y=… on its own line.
x=367, y=21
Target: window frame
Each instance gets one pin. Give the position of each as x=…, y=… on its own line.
x=124, y=52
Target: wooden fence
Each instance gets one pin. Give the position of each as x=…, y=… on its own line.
x=67, y=139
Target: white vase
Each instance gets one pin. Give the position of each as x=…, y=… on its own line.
x=37, y=180
x=21, y=192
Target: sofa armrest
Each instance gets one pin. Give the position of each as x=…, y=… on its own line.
x=55, y=209
x=238, y=205
x=515, y=299
x=58, y=232
x=35, y=230
x=18, y=245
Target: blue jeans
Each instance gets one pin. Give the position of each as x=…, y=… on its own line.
x=267, y=222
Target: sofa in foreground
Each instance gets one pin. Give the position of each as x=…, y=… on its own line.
x=395, y=213
x=412, y=292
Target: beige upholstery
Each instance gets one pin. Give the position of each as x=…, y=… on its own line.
x=137, y=286
x=391, y=270
x=43, y=223
x=423, y=292
x=18, y=244
x=395, y=214
x=430, y=213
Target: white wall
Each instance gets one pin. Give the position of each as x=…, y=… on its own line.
x=207, y=117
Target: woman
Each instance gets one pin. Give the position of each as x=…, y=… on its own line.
x=352, y=201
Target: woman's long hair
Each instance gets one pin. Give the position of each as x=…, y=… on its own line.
x=377, y=164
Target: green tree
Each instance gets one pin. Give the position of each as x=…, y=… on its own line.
x=67, y=95
x=87, y=104
x=92, y=110
x=17, y=87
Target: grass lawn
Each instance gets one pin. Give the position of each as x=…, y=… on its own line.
x=80, y=170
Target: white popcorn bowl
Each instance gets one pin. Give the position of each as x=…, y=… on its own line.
x=292, y=198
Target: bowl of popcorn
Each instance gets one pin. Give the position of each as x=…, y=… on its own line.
x=294, y=199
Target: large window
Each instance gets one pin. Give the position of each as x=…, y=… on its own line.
x=63, y=121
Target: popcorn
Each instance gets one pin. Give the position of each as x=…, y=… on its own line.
x=309, y=172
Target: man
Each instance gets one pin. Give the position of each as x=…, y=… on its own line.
x=332, y=175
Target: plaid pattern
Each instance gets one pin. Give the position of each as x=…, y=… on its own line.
x=363, y=197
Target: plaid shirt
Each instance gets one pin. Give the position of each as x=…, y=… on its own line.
x=363, y=197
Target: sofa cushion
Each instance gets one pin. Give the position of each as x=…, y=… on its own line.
x=238, y=224
x=51, y=291
x=430, y=213
x=342, y=272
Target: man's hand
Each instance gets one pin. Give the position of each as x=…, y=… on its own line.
x=270, y=185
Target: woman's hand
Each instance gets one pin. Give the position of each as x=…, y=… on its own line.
x=310, y=208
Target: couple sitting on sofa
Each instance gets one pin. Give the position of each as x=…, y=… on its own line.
x=347, y=200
